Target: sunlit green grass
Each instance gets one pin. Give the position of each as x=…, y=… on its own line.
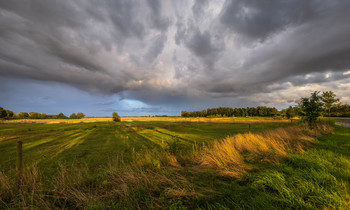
x=97, y=144
x=317, y=179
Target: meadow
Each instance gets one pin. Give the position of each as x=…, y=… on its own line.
x=96, y=142
x=174, y=163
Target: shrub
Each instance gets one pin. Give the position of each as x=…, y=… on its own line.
x=116, y=117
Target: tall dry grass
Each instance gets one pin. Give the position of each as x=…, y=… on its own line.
x=135, y=185
x=233, y=154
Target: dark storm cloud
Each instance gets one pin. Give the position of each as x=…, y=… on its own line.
x=168, y=52
x=69, y=42
x=260, y=19
x=200, y=44
x=293, y=38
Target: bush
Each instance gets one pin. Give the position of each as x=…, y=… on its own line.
x=116, y=117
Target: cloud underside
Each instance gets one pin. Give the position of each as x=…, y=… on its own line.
x=165, y=51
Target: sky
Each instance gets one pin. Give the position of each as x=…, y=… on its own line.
x=149, y=57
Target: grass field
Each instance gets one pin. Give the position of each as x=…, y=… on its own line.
x=97, y=144
x=146, y=164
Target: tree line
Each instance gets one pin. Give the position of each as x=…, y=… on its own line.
x=330, y=107
x=8, y=114
x=261, y=111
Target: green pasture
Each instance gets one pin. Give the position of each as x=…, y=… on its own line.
x=96, y=144
x=317, y=179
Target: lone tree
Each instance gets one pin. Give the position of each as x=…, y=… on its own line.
x=329, y=100
x=290, y=113
x=311, y=108
x=116, y=117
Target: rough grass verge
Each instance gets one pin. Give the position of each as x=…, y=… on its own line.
x=234, y=153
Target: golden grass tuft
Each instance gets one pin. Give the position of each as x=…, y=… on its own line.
x=222, y=154
x=233, y=153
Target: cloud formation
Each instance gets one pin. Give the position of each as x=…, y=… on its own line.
x=165, y=52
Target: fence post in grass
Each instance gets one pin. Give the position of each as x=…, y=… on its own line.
x=19, y=164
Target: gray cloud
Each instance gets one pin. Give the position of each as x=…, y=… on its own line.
x=261, y=19
x=104, y=103
x=166, y=52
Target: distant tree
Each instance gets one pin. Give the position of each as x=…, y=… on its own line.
x=204, y=112
x=311, y=108
x=290, y=113
x=73, y=116
x=61, y=116
x=10, y=114
x=243, y=112
x=185, y=114
x=3, y=113
x=340, y=110
x=23, y=115
x=272, y=111
x=237, y=112
x=34, y=115
x=43, y=116
x=329, y=100
x=80, y=115
x=212, y=112
x=116, y=117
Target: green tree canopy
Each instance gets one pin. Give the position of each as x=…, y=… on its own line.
x=23, y=115
x=3, y=113
x=34, y=115
x=80, y=115
x=329, y=100
x=311, y=108
x=290, y=113
x=73, y=116
x=61, y=116
x=10, y=114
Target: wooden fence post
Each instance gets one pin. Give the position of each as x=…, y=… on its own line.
x=19, y=164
